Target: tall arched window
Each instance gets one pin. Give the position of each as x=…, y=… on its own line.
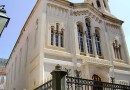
x=52, y=35
x=80, y=37
x=97, y=42
x=57, y=35
x=117, y=50
x=56, y=38
x=62, y=38
x=88, y=37
x=98, y=4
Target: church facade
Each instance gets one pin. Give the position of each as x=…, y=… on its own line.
x=83, y=36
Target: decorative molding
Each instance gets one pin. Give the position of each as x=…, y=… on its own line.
x=122, y=72
x=117, y=27
x=57, y=52
x=121, y=64
x=57, y=7
x=56, y=10
x=87, y=12
x=97, y=61
x=61, y=62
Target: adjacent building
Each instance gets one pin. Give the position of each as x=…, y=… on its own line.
x=2, y=73
x=84, y=36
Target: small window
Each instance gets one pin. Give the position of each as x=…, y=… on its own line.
x=2, y=80
x=92, y=4
x=98, y=4
x=52, y=35
x=57, y=36
x=61, y=38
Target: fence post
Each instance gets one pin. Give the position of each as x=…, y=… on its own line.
x=58, y=78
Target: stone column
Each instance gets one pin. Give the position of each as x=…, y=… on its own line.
x=58, y=78
x=85, y=42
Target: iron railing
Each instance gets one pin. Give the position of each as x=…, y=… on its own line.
x=62, y=81
x=74, y=83
x=45, y=86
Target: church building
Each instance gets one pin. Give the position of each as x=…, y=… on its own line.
x=83, y=36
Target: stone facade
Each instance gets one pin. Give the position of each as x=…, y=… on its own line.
x=51, y=36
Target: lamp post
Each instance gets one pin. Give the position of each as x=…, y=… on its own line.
x=4, y=20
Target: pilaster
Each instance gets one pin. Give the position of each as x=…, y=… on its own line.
x=106, y=2
x=102, y=5
x=85, y=42
x=93, y=40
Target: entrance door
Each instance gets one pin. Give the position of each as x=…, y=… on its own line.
x=97, y=82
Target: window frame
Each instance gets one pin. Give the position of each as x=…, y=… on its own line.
x=80, y=37
x=89, y=39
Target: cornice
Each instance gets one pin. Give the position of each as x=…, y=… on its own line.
x=87, y=5
x=63, y=2
x=120, y=64
x=122, y=72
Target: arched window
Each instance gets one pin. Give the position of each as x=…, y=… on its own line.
x=96, y=78
x=52, y=35
x=62, y=38
x=57, y=36
x=80, y=37
x=117, y=50
x=88, y=37
x=98, y=4
x=92, y=4
x=97, y=42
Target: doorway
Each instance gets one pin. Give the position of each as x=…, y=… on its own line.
x=97, y=82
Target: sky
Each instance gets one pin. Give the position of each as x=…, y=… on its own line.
x=19, y=10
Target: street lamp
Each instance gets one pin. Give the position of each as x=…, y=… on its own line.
x=4, y=20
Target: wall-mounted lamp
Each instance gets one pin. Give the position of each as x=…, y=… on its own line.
x=4, y=20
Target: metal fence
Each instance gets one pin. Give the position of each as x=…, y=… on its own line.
x=74, y=83
x=61, y=81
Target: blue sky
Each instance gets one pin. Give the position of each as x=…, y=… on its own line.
x=19, y=10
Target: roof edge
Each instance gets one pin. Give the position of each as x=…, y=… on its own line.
x=28, y=19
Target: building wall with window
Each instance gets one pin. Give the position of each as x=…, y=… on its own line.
x=83, y=36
